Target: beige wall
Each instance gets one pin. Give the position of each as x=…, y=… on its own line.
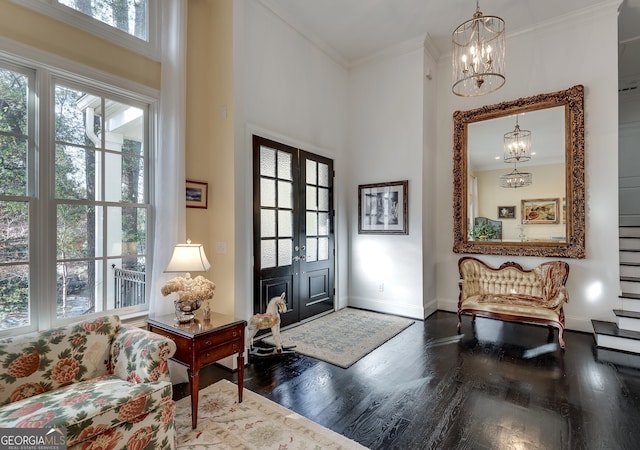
x=209, y=130
x=36, y=30
x=210, y=143
x=548, y=182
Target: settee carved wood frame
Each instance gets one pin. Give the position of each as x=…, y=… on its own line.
x=511, y=316
x=574, y=244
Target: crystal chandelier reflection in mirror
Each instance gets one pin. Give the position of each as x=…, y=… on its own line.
x=478, y=55
x=517, y=149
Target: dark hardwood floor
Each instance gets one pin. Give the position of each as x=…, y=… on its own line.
x=496, y=385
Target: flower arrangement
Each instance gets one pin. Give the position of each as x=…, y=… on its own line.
x=191, y=293
x=190, y=289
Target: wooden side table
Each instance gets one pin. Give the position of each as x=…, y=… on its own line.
x=200, y=343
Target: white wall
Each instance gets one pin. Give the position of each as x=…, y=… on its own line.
x=629, y=153
x=561, y=54
x=288, y=90
x=381, y=121
x=386, y=121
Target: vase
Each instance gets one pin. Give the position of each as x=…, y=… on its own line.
x=185, y=309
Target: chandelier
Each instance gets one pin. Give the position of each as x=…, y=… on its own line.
x=478, y=55
x=517, y=145
x=517, y=149
x=515, y=179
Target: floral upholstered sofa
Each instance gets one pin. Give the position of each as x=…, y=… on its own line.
x=511, y=293
x=106, y=383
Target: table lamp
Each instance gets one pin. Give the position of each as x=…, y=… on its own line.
x=192, y=292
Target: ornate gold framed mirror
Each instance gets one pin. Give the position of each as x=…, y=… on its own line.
x=534, y=206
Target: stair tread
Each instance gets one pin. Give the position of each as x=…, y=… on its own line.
x=630, y=295
x=631, y=250
x=630, y=279
x=629, y=314
x=631, y=264
x=611, y=329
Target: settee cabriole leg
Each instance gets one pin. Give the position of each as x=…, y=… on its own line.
x=459, y=321
x=561, y=337
x=551, y=333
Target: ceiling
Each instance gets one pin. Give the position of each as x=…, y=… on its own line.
x=353, y=30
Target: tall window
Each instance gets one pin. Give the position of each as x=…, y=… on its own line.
x=129, y=16
x=132, y=24
x=16, y=145
x=74, y=215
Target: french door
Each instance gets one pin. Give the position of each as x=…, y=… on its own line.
x=293, y=230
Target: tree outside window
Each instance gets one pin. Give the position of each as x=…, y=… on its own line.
x=130, y=16
x=100, y=203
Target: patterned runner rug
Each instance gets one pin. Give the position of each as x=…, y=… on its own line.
x=256, y=423
x=343, y=337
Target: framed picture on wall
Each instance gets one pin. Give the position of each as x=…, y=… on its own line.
x=197, y=194
x=541, y=211
x=382, y=208
x=506, y=212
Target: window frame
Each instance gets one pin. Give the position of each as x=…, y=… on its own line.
x=47, y=71
x=76, y=19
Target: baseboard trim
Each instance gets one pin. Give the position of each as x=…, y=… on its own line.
x=398, y=309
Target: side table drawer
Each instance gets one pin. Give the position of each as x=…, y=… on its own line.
x=214, y=354
x=183, y=344
x=212, y=341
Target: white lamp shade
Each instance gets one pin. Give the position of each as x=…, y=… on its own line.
x=188, y=258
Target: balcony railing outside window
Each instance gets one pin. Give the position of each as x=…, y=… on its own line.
x=129, y=287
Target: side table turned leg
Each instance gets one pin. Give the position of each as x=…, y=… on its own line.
x=240, y=375
x=194, y=384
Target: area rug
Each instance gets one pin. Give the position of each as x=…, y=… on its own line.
x=343, y=337
x=256, y=423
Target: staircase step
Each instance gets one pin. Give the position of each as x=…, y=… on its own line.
x=629, y=243
x=628, y=256
x=618, y=357
x=629, y=231
x=629, y=314
x=630, y=270
x=630, y=302
x=630, y=279
x=627, y=320
x=630, y=285
x=610, y=336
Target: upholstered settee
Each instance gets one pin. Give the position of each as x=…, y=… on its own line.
x=108, y=384
x=511, y=293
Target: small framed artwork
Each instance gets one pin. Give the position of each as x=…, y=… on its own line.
x=382, y=208
x=541, y=211
x=506, y=212
x=197, y=194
